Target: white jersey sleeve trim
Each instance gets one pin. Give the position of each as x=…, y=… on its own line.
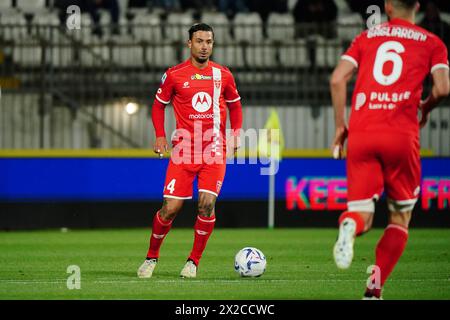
x=439, y=66
x=350, y=59
x=231, y=101
x=161, y=100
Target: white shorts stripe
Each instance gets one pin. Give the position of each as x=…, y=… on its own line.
x=174, y=197
x=207, y=191
x=401, y=205
x=364, y=205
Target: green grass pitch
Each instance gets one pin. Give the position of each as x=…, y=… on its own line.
x=300, y=265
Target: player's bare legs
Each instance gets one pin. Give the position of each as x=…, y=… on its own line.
x=351, y=225
x=162, y=222
x=202, y=230
x=390, y=248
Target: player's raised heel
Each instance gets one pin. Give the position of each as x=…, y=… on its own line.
x=146, y=269
x=343, y=249
x=189, y=270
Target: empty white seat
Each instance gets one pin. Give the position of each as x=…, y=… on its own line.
x=444, y=17
x=230, y=56
x=328, y=52
x=61, y=56
x=27, y=54
x=281, y=26
x=220, y=24
x=161, y=56
x=147, y=27
x=95, y=55
x=177, y=26
x=31, y=6
x=6, y=8
x=349, y=26
x=294, y=54
x=128, y=55
x=261, y=56
x=248, y=27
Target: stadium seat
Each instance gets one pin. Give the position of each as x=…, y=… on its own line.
x=162, y=56
x=128, y=55
x=6, y=8
x=263, y=55
x=281, y=26
x=248, y=27
x=178, y=25
x=13, y=26
x=147, y=27
x=230, y=55
x=328, y=52
x=445, y=17
x=61, y=55
x=349, y=26
x=219, y=22
x=95, y=55
x=33, y=6
x=27, y=54
x=294, y=54
x=342, y=7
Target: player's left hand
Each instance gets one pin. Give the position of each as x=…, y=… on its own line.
x=339, y=140
x=234, y=143
x=424, y=119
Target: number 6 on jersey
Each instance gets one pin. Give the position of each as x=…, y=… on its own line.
x=388, y=51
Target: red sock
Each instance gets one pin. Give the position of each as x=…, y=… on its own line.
x=360, y=224
x=388, y=252
x=159, y=232
x=203, y=227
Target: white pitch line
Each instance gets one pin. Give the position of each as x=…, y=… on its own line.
x=190, y=281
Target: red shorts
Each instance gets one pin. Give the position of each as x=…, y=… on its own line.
x=383, y=161
x=180, y=179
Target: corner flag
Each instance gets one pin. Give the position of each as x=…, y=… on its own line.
x=273, y=145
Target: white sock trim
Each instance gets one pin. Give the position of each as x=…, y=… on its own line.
x=396, y=226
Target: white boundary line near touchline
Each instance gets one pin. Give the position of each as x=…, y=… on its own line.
x=147, y=281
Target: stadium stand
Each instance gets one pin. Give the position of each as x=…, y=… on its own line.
x=278, y=69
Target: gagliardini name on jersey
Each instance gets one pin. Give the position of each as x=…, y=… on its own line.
x=399, y=32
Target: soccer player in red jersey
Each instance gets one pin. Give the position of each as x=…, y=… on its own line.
x=200, y=91
x=392, y=59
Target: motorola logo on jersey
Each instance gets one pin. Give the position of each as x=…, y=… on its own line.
x=201, y=101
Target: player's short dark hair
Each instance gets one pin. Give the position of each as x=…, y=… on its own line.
x=200, y=27
x=404, y=4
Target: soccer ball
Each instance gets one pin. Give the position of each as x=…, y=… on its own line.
x=250, y=262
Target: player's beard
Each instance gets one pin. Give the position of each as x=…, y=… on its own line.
x=201, y=60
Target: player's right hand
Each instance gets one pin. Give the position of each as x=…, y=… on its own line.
x=339, y=140
x=160, y=146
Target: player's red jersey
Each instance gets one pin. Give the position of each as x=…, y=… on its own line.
x=393, y=60
x=199, y=98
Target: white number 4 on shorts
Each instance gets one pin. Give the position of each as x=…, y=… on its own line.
x=171, y=186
